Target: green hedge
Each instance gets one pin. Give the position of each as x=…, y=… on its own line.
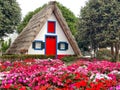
x=69, y=58
x=22, y=57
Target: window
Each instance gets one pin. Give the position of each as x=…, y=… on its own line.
x=38, y=45
x=62, y=46
x=51, y=26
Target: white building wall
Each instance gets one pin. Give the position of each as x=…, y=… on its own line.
x=60, y=38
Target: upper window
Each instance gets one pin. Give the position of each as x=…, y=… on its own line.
x=51, y=26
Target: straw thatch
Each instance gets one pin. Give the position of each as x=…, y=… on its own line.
x=26, y=37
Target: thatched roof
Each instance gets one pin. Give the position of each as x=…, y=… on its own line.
x=26, y=37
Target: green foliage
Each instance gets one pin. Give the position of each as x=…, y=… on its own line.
x=10, y=16
x=104, y=54
x=99, y=23
x=67, y=14
x=22, y=57
x=69, y=58
x=5, y=45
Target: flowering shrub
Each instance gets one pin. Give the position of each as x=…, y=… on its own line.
x=50, y=74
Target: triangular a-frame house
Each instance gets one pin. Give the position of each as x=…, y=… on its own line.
x=47, y=33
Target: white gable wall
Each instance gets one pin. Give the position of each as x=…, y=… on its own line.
x=60, y=38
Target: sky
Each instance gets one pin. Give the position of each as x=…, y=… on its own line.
x=31, y=5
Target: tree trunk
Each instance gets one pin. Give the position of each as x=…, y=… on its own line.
x=112, y=50
x=117, y=51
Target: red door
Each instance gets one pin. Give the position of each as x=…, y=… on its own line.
x=50, y=45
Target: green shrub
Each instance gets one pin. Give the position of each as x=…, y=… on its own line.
x=104, y=54
x=22, y=57
x=5, y=45
x=69, y=58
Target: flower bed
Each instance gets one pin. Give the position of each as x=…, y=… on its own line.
x=55, y=75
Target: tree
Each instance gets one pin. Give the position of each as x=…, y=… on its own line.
x=68, y=15
x=99, y=24
x=10, y=16
x=88, y=25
